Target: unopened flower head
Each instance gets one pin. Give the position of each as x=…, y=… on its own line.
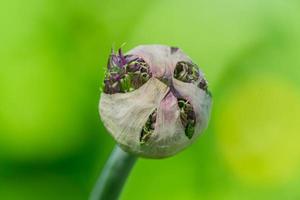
x=155, y=100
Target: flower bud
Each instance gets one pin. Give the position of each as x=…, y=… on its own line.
x=155, y=100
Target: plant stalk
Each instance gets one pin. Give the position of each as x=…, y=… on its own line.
x=113, y=177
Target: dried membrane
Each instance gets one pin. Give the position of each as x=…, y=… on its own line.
x=155, y=100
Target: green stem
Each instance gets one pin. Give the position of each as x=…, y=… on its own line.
x=114, y=175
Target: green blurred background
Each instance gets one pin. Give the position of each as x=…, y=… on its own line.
x=53, y=54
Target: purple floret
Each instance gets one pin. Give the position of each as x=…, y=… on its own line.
x=120, y=67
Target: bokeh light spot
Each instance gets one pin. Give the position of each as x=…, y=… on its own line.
x=258, y=130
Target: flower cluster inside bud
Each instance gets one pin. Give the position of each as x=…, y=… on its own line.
x=125, y=73
x=186, y=72
x=189, y=73
x=187, y=116
x=148, y=128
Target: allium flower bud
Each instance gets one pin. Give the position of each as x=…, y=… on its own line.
x=155, y=100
